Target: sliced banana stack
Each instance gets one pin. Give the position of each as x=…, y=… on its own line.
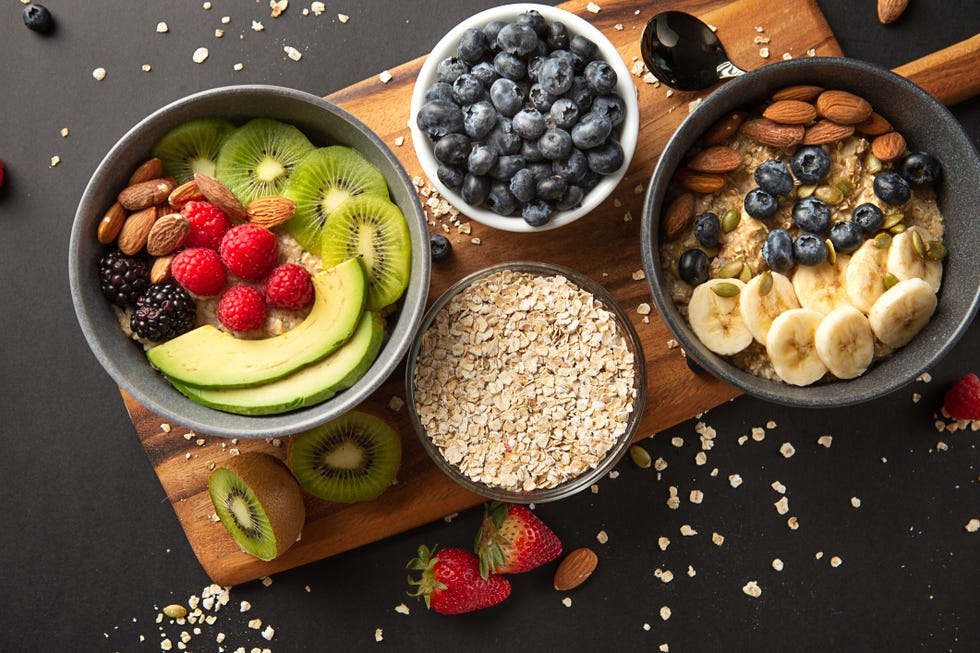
x=906, y=261
x=715, y=318
x=791, y=345
x=864, y=278
x=902, y=311
x=821, y=288
x=763, y=300
x=845, y=342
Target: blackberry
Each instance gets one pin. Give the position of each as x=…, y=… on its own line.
x=122, y=279
x=163, y=312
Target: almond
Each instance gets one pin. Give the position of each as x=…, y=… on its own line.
x=137, y=197
x=890, y=10
x=767, y=132
x=186, y=192
x=826, y=131
x=888, y=146
x=724, y=129
x=136, y=229
x=160, y=270
x=167, y=234
x=843, y=107
x=678, y=215
x=111, y=223
x=790, y=112
x=716, y=159
x=699, y=182
x=575, y=569
x=801, y=92
x=875, y=125
x=221, y=196
x=270, y=211
x=151, y=169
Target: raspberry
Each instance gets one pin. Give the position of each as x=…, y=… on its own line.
x=289, y=287
x=241, y=308
x=199, y=270
x=962, y=400
x=208, y=224
x=249, y=251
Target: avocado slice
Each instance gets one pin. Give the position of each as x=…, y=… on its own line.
x=206, y=357
x=307, y=386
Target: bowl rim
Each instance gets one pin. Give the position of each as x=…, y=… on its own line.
x=613, y=456
x=629, y=129
x=773, y=391
x=231, y=424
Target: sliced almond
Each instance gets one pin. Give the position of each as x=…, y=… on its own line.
x=111, y=223
x=699, y=182
x=678, y=215
x=150, y=169
x=875, y=125
x=790, y=112
x=160, y=270
x=270, y=211
x=890, y=10
x=826, y=131
x=724, y=129
x=719, y=158
x=801, y=92
x=767, y=132
x=221, y=196
x=888, y=146
x=575, y=569
x=843, y=108
x=137, y=197
x=135, y=230
x=186, y=192
x=167, y=234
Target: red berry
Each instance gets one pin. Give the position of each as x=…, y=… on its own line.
x=962, y=400
x=512, y=539
x=249, y=251
x=208, y=224
x=451, y=582
x=241, y=308
x=288, y=286
x=199, y=270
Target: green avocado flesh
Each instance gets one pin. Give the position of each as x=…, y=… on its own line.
x=207, y=358
x=305, y=387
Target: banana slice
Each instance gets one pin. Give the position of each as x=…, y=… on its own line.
x=864, y=278
x=902, y=311
x=845, y=342
x=760, y=309
x=791, y=347
x=906, y=263
x=716, y=320
x=821, y=287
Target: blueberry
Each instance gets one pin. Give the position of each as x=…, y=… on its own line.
x=563, y=114
x=846, y=236
x=573, y=167
x=506, y=96
x=541, y=171
x=481, y=159
x=491, y=30
x=451, y=176
x=484, y=72
x=522, y=185
x=468, y=89
x=571, y=199
x=540, y=99
x=440, y=117
x=38, y=18
x=479, y=119
x=760, y=204
x=810, y=164
x=472, y=45
x=810, y=249
x=439, y=247
x=600, y=76
x=610, y=106
x=503, y=138
x=774, y=177
x=812, y=215
x=536, y=213
x=500, y=200
x=590, y=180
x=868, y=216
x=475, y=189
x=509, y=66
x=555, y=144
x=439, y=91
x=556, y=75
x=607, y=158
x=517, y=39
x=580, y=94
x=452, y=149
x=450, y=68
x=528, y=123
x=551, y=188
x=921, y=170
x=556, y=36
x=583, y=47
x=693, y=266
x=506, y=166
x=531, y=152
x=891, y=188
x=707, y=229
x=591, y=131
x=565, y=54
x=533, y=19
x=777, y=251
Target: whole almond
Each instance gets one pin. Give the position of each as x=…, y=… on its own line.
x=842, y=107
x=699, y=182
x=136, y=229
x=767, y=132
x=186, y=192
x=575, y=569
x=160, y=270
x=890, y=10
x=221, y=196
x=716, y=159
x=875, y=125
x=111, y=223
x=678, y=215
x=801, y=92
x=167, y=234
x=790, y=112
x=826, y=131
x=145, y=193
x=150, y=169
x=888, y=146
x=724, y=129
x=270, y=211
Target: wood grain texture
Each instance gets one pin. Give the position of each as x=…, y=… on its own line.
x=950, y=75
x=604, y=245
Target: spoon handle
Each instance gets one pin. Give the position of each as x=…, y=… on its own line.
x=950, y=75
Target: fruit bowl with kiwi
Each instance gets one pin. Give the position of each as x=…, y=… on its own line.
x=249, y=261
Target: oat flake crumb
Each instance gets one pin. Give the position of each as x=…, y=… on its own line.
x=255, y=624
x=687, y=531
x=257, y=26
x=639, y=275
x=925, y=377
x=777, y=564
x=602, y=537
x=146, y=68
x=318, y=8
x=385, y=76
x=244, y=606
x=343, y=18
x=378, y=635
x=758, y=434
x=718, y=539
x=292, y=53
x=162, y=28
x=664, y=647
x=818, y=555
x=825, y=441
x=278, y=6
x=793, y=523
x=664, y=542
x=782, y=506
x=752, y=589
x=836, y=561
x=916, y=397
x=55, y=160
x=855, y=502
x=396, y=403
x=666, y=576
x=567, y=601
x=200, y=55
x=401, y=608
x=742, y=439
x=665, y=612
x=691, y=572
x=593, y=7
x=697, y=496
x=643, y=309
x=779, y=487
x=99, y=73
x=973, y=525
x=735, y=480
x=677, y=441
x=660, y=464
x=942, y=446
x=238, y=67
x=787, y=450
x=764, y=52
x=399, y=141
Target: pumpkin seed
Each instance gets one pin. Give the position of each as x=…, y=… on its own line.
x=730, y=220
x=805, y=190
x=175, y=611
x=831, y=252
x=725, y=289
x=730, y=269
x=844, y=186
x=883, y=240
x=711, y=252
x=828, y=194
x=899, y=228
x=935, y=250
x=918, y=245
x=872, y=163
x=891, y=220
x=675, y=269
x=746, y=274
x=890, y=280
x=765, y=284
x=640, y=456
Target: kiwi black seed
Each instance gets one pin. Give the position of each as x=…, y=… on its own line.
x=191, y=147
x=349, y=459
x=375, y=230
x=321, y=183
x=259, y=502
x=257, y=158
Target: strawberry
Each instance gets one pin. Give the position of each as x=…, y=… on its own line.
x=962, y=400
x=451, y=582
x=512, y=539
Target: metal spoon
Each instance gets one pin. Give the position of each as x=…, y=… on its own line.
x=684, y=53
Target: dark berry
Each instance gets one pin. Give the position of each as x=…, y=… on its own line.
x=921, y=170
x=539, y=98
x=452, y=149
x=481, y=159
x=572, y=168
x=555, y=75
x=122, y=279
x=891, y=188
x=163, y=312
x=583, y=47
x=503, y=139
x=500, y=200
x=528, y=123
x=517, y=39
x=760, y=204
x=868, y=216
x=506, y=166
x=506, y=96
x=38, y=18
x=533, y=19
x=551, y=188
x=531, y=152
x=536, y=213
x=468, y=89
x=607, y=158
x=774, y=177
x=591, y=131
x=475, y=189
x=555, y=144
x=484, y=72
x=810, y=249
x=563, y=114
x=439, y=91
x=810, y=164
x=522, y=185
x=811, y=214
x=450, y=68
x=612, y=107
x=472, y=45
x=707, y=229
x=451, y=176
x=510, y=66
x=491, y=30
x=846, y=236
x=777, y=251
x=580, y=94
x=439, y=247
x=479, y=119
x=600, y=76
x=693, y=266
x=571, y=199
x=440, y=117
x=556, y=36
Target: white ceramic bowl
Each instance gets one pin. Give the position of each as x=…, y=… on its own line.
x=628, y=131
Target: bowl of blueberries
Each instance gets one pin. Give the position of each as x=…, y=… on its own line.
x=524, y=117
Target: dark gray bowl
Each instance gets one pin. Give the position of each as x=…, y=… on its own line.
x=124, y=360
x=927, y=125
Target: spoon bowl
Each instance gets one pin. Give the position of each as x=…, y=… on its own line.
x=684, y=53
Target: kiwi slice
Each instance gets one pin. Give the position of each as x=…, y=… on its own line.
x=259, y=502
x=375, y=230
x=191, y=147
x=325, y=179
x=349, y=459
x=258, y=157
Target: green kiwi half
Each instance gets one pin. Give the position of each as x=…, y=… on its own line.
x=322, y=182
x=375, y=230
x=191, y=147
x=349, y=459
x=259, y=503
x=257, y=158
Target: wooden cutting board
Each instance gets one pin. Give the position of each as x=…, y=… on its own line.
x=604, y=245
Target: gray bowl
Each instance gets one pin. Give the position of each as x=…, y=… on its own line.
x=124, y=360
x=926, y=125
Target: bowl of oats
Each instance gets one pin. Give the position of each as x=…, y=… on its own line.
x=805, y=232
x=526, y=382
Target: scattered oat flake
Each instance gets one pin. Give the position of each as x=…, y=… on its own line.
x=942, y=446
x=639, y=275
x=825, y=441
x=257, y=26
x=162, y=28
x=266, y=581
x=475, y=241
x=255, y=624
x=973, y=525
x=646, y=626
x=855, y=502
x=764, y=52
x=618, y=27
x=687, y=531
x=567, y=601
x=664, y=542
x=916, y=397
x=206, y=6
x=218, y=33
x=782, y=506
x=378, y=635
x=99, y=73
x=777, y=564
x=758, y=434
x=787, y=56
x=665, y=612
x=718, y=539
x=643, y=309
x=818, y=555
x=787, y=450
x=55, y=160
x=602, y=537
x=225, y=20
x=691, y=572
x=664, y=647
x=200, y=55
x=836, y=561
x=696, y=496
x=399, y=141
x=343, y=18
x=146, y=68
x=385, y=77
x=735, y=480
x=318, y=8
x=401, y=608
x=677, y=441
x=779, y=487
x=278, y=6
x=244, y=606
x=793, y=523
x=593, y=7
x=752, y=589
x=292, y=53
x=925, y=377
x=238, y=66
x=742, y=439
